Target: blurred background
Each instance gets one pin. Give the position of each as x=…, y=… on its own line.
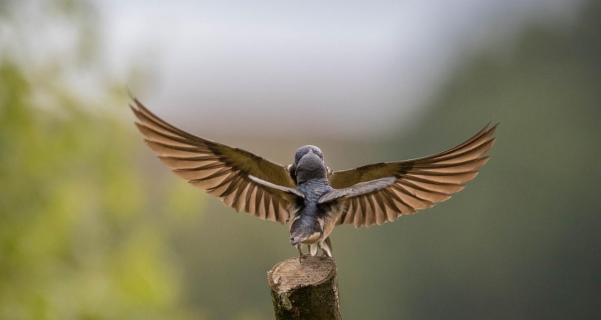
x=92, y=226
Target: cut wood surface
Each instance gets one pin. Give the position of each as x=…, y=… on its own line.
x=305, y=290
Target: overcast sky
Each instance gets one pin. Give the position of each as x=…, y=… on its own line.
x=340, y=68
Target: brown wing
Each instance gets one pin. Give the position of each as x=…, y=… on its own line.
x=368, y=195
x=218, y=169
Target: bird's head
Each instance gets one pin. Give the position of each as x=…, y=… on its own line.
x=308, y=164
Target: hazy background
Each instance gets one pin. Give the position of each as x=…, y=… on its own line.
x=92, y=226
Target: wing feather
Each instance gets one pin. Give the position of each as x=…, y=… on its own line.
x=381, y=192
x=220, y=170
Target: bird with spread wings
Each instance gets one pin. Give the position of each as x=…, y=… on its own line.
x=307, y=195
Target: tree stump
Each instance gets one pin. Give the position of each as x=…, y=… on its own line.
x=305, y=290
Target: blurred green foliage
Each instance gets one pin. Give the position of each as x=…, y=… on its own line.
x=82, y=233
x=79, y=237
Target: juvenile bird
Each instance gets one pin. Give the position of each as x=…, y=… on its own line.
x=307, y=194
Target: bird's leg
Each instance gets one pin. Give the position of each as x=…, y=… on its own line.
x=313, y=249
x=300, y=253
x=326, y=246
x=324, y=249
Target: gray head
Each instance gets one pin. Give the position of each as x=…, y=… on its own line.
x=308, y=164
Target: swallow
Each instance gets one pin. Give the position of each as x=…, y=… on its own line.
x=307, y=195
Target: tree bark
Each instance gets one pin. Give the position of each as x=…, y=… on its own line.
x=305, y=290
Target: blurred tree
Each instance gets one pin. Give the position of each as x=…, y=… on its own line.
x=82, y=234
x=522, y=242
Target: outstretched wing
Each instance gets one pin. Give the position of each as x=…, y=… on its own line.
x=220, y=170
x=381, y=192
